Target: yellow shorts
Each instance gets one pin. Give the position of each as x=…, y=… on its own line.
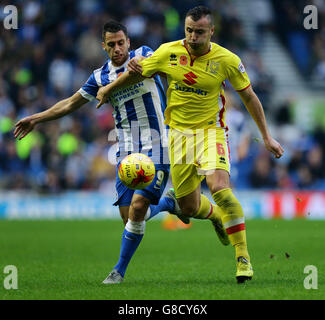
x=194, y=154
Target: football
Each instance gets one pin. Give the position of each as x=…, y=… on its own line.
x=136, y=171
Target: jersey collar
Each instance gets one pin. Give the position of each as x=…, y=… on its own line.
x=183, y=41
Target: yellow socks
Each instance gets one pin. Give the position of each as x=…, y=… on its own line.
x=230, y=212
x=208, y=210
x=232, y=216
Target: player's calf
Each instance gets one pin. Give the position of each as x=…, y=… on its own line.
x=189, y=209
x=176, y=210
x=190, y=204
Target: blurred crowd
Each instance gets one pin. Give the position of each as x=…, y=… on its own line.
x=56, y=47
x=290, y=26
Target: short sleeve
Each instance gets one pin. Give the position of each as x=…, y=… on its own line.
x=152, y=65
x=147, y=52
x=90, y=88
x=237, y=74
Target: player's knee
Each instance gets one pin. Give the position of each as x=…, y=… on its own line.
x=139, y=206
x=218, y=181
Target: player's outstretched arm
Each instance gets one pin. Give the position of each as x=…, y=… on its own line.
x=254, y=107
x=60, y=109
x=126, y=79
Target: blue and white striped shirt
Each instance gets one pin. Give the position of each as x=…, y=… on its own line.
x=138, y=110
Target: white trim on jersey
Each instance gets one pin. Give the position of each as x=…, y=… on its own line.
x=86, y=95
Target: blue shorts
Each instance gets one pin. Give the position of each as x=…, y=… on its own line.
x=153, y=192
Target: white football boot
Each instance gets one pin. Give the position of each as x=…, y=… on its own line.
x=113, y=277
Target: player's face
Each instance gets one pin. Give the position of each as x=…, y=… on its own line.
x=117, y=47
x=198, y=33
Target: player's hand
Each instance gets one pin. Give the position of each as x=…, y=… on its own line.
x=134, y=66
x=102, y=96
x=273, y=146
x=23, y=127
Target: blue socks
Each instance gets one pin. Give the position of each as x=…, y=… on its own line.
x=134, y=231
x=132, y=236
x=165, y=204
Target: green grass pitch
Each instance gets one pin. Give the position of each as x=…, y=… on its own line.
x=69, y=260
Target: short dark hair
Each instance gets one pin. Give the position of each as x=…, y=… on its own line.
x=114, y=26
x=198, y=12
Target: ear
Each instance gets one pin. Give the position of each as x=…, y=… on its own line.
x=212, y=31
x=128, y=43
x=103, y=45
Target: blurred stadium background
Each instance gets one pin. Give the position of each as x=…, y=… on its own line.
x=66, y=168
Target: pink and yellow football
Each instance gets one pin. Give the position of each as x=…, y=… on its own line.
x=136, y=171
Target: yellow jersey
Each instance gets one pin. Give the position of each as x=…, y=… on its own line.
x=195, y=95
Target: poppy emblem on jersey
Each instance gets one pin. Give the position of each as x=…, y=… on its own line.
x=190, y=78
x=183, y=60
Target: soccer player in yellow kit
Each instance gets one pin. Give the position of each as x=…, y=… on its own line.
x=196, y=70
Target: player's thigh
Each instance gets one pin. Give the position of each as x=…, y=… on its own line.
x=218, y=180
x=213, y=151
x=155, y=190
x=216, y=162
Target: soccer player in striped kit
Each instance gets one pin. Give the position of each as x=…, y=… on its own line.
x=196, y=69
x=139, y=116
